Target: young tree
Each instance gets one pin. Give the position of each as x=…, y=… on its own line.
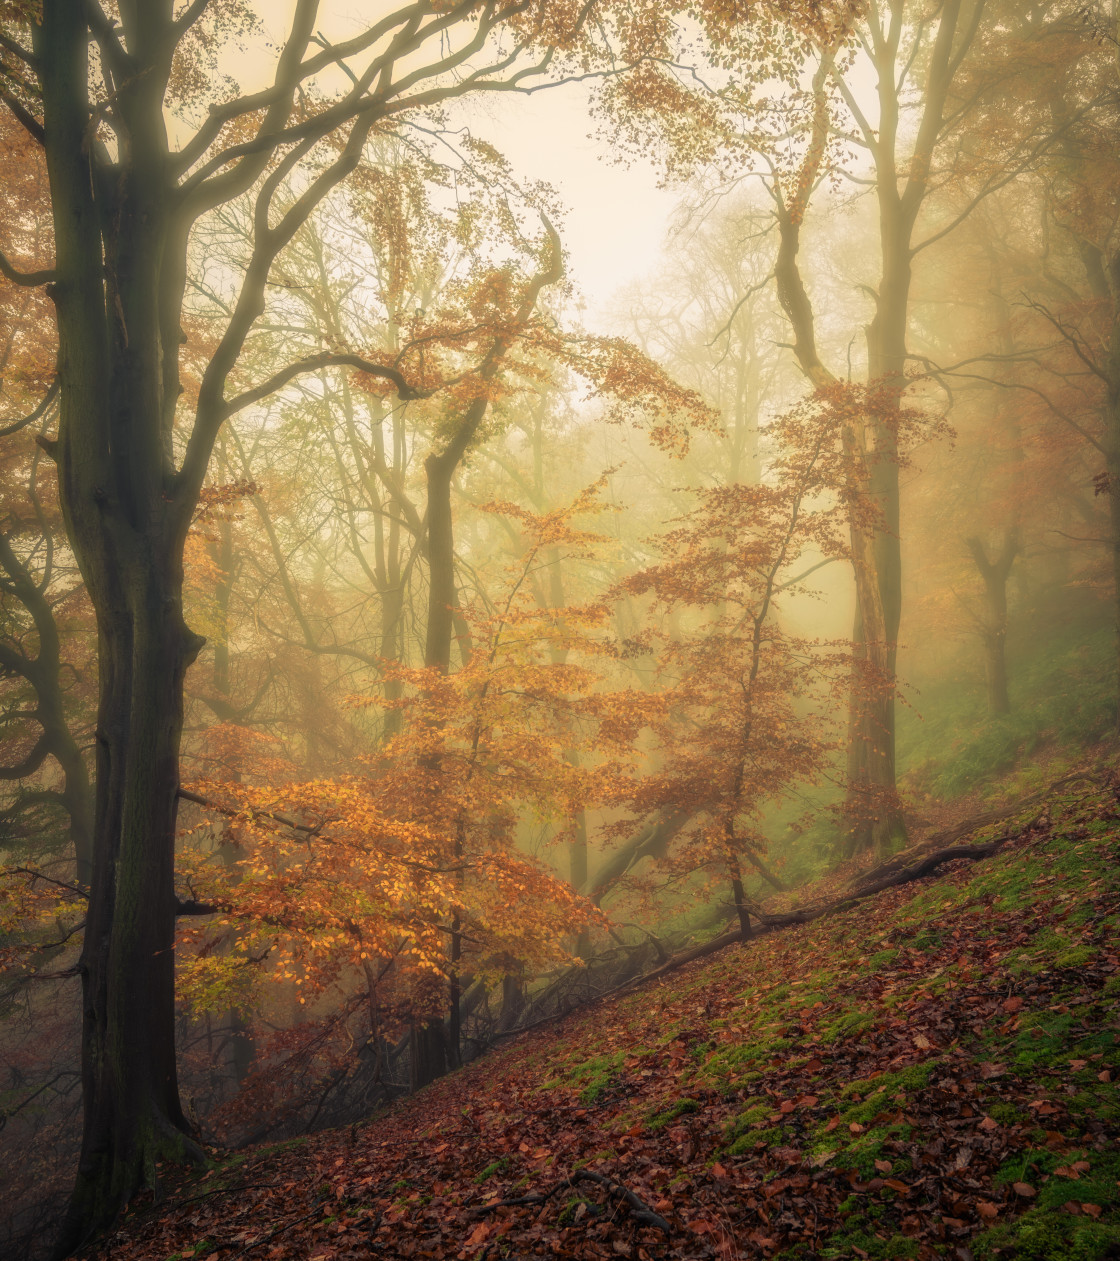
x=747, y=703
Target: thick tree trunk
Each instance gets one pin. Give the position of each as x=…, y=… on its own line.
x=427, y=1053
x=118, y=351
x=133, y=1116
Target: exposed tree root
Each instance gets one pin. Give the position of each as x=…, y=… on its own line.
x=639, y=1210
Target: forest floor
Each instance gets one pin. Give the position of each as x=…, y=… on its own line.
x=930, y=1073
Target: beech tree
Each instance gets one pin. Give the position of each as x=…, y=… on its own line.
x=97, y=88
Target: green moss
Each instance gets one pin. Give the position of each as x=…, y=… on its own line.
x=860, y=1152
x=659, y=1120
x=881, y=958
x=865, y=1232
x=495, y=1166
x=749, y=1117
x=748, y=1142
x=568, y=1212
x=595, y=1076
x=1008, y=1114
x=886, y=1086
x=848, y=1026
x=1042, y=1235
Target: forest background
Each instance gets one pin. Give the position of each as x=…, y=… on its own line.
x=418, y=629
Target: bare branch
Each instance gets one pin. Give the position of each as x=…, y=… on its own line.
x=327, y=359
x=23, y=116
x=30, y=279
x=41, y=410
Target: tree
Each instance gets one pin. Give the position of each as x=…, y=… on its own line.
x=408, y=875
x=131, y=463
x=937, y=90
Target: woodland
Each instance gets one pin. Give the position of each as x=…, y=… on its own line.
x=491, y=772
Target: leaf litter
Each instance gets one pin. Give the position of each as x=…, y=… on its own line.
x=931, y=1073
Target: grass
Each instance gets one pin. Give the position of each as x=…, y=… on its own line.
x=1063, y=696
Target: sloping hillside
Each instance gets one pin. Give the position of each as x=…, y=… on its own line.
x=931, y=1073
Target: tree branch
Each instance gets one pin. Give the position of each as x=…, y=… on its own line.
x=31, y=279
x=41, y=410
x=327, y=359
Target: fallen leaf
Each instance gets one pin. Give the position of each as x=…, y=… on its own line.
x=883, y=1166
x=1011, y=1004
x=1091, y=1210
x=987, y=1209
x=988, y=1124
x=855, y=1127
x=1023, y=1188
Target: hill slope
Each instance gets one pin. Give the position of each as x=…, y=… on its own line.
x=930, y=1073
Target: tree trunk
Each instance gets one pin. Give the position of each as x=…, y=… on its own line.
x=1111, y=483
x=133, y=1115
x=995, y=574
x=439, y=471
x=427, y=1053
x=118, y=270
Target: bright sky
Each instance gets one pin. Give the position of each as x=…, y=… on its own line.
x=617, y=216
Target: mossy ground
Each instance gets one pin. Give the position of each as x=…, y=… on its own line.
x=931, y=1071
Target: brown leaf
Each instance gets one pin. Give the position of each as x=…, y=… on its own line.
x=883, y=1166
x=1091, y=1210
x=855, y=1127
x=1023, y=1188
x=1011, y=1004
x=480, y=1234
x=988, y=1124
x=987, y=1209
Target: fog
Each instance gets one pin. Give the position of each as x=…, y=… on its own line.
x=626, y=502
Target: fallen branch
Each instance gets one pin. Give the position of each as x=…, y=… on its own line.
x=639, y=1210
x=887, y=876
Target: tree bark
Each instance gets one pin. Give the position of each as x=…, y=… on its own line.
x=119, y=385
